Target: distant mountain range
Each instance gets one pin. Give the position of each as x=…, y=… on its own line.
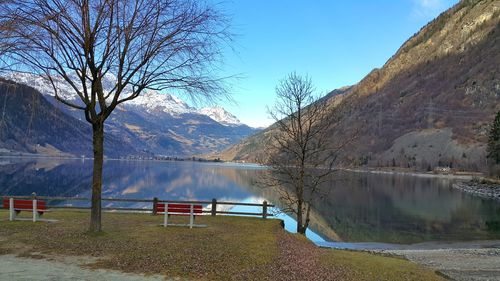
x=430, y=105
x=30, y=124
x=152, y=124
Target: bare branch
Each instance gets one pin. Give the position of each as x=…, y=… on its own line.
x=160, y=45
x=301, y=154
x=152, y=44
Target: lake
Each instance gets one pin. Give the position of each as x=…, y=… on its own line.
x=359, y=207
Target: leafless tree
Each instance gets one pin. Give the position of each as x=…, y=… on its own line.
x=142, y=44
x=301, y=154
x=6, y=42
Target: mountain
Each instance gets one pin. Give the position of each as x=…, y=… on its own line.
x=30, y=124
x=429, y=105
x=220, y=115
x=154, y=122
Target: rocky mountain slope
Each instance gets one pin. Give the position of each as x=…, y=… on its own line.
x=220, y=115
x=156, y=123
x=30, y=124
x=429, y=105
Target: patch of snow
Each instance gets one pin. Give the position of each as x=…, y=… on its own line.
x=43, y=85
x=153, y=101
x=220, y=115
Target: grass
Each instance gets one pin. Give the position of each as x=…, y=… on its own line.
x=230, y=248
x=366, y=266
x=486, y=181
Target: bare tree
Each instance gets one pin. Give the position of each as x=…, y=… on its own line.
x=142, y=44
x=301, y=154
x=7, y=44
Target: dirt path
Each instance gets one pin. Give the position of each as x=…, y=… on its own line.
x=19, y=269
x=459, y=264
x=299, y=260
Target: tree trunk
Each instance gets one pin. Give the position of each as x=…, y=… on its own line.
x=307, y=219
x=300, y=203
x=300, y=228
x=98, y=143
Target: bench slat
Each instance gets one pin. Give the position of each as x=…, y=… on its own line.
x=25, y=205
x=181, y=209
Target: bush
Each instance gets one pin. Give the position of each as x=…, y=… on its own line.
x=494, y=171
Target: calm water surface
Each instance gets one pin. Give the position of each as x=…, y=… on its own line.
x=360, y=207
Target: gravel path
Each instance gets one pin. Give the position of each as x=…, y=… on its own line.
x=19, y=269
x=459, y=264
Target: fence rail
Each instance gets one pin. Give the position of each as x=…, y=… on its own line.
x=151, y=209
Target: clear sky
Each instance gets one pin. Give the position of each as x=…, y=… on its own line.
x=336, y=43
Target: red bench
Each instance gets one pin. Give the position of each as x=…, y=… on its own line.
x=38, y=207
x=190, y=210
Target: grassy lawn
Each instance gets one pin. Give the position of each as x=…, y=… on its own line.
x=230, y=248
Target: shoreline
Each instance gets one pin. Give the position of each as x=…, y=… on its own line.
x=422, y=246
x=384, y=170
x=464, y=176
x=456, y=263
x=483, y=190
x=464, y=260
x=380, y=170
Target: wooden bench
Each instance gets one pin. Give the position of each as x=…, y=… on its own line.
x=15, y=206
x=190, y=210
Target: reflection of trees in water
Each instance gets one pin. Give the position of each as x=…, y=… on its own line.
x=394, y=208
x=318, y=224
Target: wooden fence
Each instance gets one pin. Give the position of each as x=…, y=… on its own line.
x=50, y=200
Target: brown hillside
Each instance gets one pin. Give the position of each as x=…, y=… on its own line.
x=430, y=104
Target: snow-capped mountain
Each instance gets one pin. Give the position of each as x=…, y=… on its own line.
x=43, y=85
x=150, y=100
x=154, y=122
x=221, y=115
x=153, y=101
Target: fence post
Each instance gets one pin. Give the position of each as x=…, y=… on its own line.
x=155, y=206
x=35, y=211
x=264, y=210
x=12, y=213
x=165, y=215
x=214, y=207
x=191, y=216
x=35, y=206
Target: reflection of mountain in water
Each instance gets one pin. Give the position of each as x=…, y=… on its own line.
x=55, y=177
x=173, y=181
x=403, y=209
x=359, y=207
x=122, y=179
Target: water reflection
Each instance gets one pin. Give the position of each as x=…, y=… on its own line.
x=406, y=209
x=359, y=206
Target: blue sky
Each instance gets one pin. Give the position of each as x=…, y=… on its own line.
x=336, y=43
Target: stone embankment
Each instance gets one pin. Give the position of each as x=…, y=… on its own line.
x=485, y=190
